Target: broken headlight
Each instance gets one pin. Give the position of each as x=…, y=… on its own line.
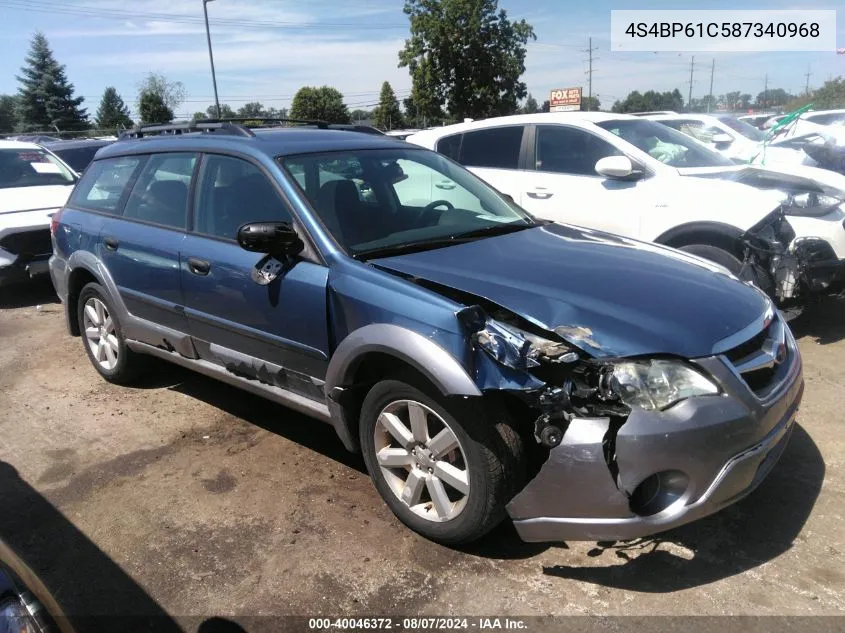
x=518, y=349
x=810, y=204
x=657, y=384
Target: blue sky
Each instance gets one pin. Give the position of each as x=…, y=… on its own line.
x=266, y=49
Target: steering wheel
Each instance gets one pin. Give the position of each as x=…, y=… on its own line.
x=431, y=206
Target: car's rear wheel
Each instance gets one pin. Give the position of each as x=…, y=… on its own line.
x=446, y=469
x=103, y=338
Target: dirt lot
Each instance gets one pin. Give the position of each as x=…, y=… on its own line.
x=186, y=497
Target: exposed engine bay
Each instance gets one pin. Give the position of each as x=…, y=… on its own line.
x=786, y=268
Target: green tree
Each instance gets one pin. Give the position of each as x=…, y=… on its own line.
x=531, y=106
x=252, y=109
x=466, y=56
x=161, y=95
x=45, y=96
x=153, y=109
x=590, y=104
x=8, y=113
x=830, y=95
x=387, y=115
x=547, y=105
x=773, y=98
x=733, y=100
x=649, y=101
x=226, y=112
x=113, y=112
x=323, y=104
x=361, y=115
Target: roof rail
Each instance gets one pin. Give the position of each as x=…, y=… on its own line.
x=649, y=112
x=173, y=129
x=262, y=121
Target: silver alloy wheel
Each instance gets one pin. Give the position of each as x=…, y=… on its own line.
x=422, y=460
x=100, y=334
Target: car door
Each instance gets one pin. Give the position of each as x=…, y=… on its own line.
x=492, y=153
x=276, y=333
x=140, y=248
x=565, y=187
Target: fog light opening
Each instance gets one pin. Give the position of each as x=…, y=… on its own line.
x=658, y=491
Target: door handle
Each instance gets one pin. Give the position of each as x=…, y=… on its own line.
x=198, y=266
x=540, y=194
x=445, y=185
x=111, y=243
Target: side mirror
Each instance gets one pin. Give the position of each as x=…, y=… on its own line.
x=277, y=239
x=722, y=139
x=618, y=167
x=507, y=197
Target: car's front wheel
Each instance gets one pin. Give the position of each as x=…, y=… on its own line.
x=445, y=468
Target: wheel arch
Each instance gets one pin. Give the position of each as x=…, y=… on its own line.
x=718, y=234
x=379, y=351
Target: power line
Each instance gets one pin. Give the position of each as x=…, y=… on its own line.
x=712, y=72
x=807, y=86
x=45, y=6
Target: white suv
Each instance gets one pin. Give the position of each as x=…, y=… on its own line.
x=33, y=185
x=641, y=179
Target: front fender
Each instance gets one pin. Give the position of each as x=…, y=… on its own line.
x=419, y=352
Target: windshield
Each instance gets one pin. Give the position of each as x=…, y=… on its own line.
x=77, y=157
x=748, y=131
x=380, y=202
x=667, y=145
x=32, y=168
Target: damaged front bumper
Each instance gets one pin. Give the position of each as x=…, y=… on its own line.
x=662, y=469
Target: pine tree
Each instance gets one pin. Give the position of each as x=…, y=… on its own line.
x=153, y=109
x=46, y=96
x=113, y=112
x=8, y=113
x=387, y=115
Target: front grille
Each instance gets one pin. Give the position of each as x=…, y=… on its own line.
x=29, y=244
x=763, y=360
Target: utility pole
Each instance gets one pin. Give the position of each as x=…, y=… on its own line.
x=210, y=55
x=766, y=92
x=807, y=86
x=589, y=52
x=712, y=72
x=691, y=69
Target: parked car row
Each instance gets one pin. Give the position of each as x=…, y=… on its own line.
x=487, y=363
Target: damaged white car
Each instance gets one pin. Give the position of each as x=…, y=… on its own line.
x=637, y=178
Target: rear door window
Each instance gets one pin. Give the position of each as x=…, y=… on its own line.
x=160, y=195
x=104, y=184
x=496, y=147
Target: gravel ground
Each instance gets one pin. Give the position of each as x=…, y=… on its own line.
x=185, y=497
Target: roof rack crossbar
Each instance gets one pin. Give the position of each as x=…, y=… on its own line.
x=207, y=127
x=263, y=120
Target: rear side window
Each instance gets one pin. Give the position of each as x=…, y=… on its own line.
x=104, y=184
x=495, y=147
x=160, y=195
x=232, y=193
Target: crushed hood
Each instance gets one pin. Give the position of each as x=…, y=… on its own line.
x=608, y=295
x=786, y=178
x=32, y=198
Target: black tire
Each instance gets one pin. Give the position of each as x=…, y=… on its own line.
x=724, y=258
x=129, y=365
x=492, y=451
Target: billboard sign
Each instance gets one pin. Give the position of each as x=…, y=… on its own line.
x=565, y=99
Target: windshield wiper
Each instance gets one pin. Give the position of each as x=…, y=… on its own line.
x=443, y=241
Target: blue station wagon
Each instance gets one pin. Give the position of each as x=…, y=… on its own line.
x=486, y=364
